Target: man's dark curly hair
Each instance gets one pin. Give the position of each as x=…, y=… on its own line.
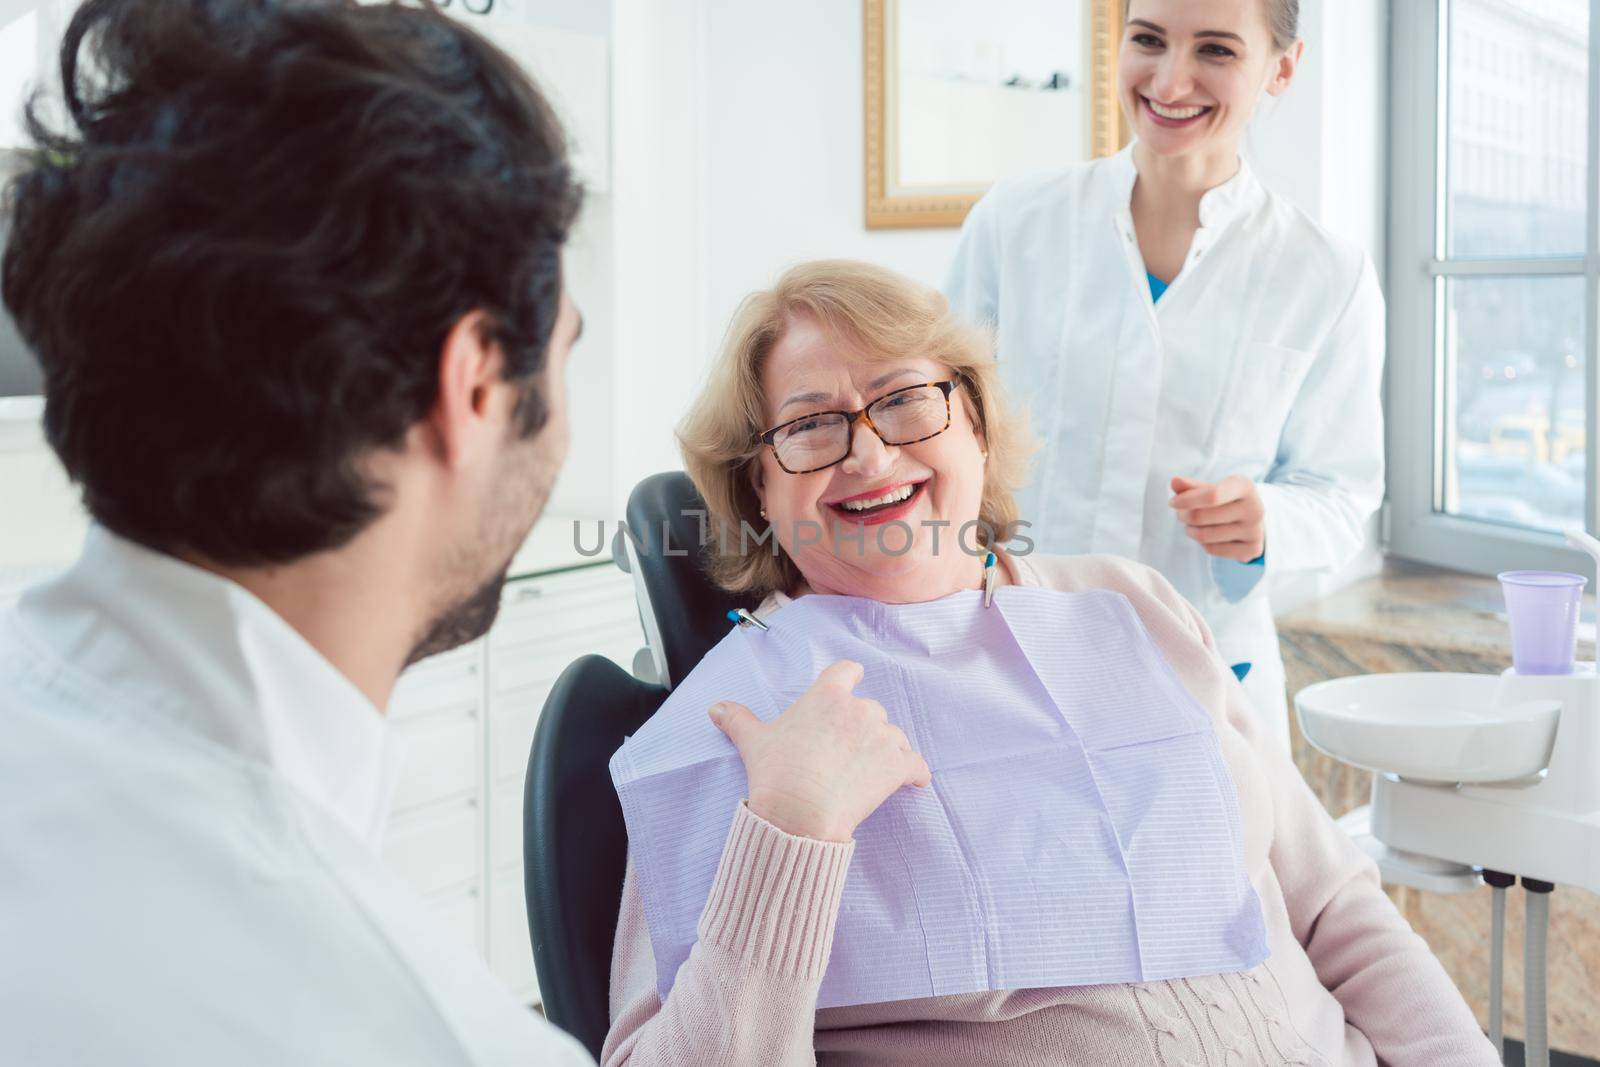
x=239, y=269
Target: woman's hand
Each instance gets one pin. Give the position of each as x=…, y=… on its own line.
x=827, y=762
x=1226, y=517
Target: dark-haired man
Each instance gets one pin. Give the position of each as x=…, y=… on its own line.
x=294, y=279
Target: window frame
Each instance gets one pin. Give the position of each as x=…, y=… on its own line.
x=1419, y=381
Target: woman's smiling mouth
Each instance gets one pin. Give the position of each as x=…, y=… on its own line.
x=879, y=505
x=1163, y=115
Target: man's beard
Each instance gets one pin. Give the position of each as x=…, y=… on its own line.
x=525, y=487
x=467, y=621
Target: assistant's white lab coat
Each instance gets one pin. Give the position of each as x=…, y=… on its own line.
x=1263, y=358
x=191, y=802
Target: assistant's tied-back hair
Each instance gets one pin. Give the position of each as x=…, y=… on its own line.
x=239, y=258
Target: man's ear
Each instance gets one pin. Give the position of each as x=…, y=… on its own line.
x=463, y=414
x=1283, y=73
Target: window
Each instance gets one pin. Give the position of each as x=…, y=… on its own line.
x=1494, y=282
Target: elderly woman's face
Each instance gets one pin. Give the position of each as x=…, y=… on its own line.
x=884, y=522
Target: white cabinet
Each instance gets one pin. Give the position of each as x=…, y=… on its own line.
x=509, y=955
x=462, y=914
x=449, y=747
x=438, y=851
x=467, y=719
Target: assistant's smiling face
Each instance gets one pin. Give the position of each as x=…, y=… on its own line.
x=841, y=525
x=1192, y=72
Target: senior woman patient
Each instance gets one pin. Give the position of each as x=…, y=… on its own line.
x=851, y=413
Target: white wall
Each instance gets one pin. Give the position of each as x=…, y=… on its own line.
x=656, y=251
x=737, y=150
x=1324, y=144
x=784, y=153
x=1354, y=37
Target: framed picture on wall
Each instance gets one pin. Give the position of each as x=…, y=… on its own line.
x=960, y=94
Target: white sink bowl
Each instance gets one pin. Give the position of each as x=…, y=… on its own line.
x=1429, y=727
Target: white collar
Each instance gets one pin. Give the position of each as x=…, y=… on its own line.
x=161, y=637
x=1218, y=207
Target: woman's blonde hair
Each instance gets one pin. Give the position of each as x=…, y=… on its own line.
x=883, y=316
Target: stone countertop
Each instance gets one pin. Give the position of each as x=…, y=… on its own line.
x=1419, y=605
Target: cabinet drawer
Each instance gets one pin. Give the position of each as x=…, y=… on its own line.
x=513, y=718
x=462, y=914
x=505, y=832
x=510, y=953
x=435, y=852
x=445, y=663
x=520, y=609
x=449, y=682
x=531, y=666
x=539, y=607
x=441, y=759
x=535, y=664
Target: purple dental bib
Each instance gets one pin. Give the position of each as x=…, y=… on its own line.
x=1081, y=827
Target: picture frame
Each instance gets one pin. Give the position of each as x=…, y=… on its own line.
x=957, y=95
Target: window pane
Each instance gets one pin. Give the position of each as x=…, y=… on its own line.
x=1515, y=437
x=1519, y=91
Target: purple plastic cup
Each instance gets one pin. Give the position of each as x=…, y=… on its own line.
x=1543, y=609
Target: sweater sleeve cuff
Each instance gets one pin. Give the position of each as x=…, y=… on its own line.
x=776, y=896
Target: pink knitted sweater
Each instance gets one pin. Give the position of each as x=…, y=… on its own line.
x=1347, y=983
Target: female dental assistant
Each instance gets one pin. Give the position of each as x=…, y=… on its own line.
x=1201, y=361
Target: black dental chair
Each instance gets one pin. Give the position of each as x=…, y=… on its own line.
x=574, y=843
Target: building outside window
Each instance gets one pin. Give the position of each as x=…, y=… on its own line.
x=1493, y=272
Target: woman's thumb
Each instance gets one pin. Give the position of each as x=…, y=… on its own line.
x=732, y=719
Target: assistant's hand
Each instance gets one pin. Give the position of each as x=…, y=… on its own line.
x=1226, y=517
x=827, y=762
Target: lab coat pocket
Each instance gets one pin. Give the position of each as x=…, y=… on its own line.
x=1266, y=380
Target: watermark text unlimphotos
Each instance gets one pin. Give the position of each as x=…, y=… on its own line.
x=893, y=538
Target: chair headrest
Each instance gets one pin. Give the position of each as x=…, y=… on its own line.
x=666, y=515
